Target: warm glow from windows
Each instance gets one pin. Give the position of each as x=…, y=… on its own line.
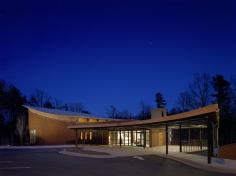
x=81, y=135
x=90, y=135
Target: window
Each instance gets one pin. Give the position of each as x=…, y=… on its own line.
x=32, y=136
x=81, y=135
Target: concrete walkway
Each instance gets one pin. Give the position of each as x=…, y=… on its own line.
x=218, y=164
x=113, y=151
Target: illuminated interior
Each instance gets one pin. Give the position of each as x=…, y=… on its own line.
x=139, y=138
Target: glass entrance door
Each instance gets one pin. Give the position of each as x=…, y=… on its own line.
x=140, y=139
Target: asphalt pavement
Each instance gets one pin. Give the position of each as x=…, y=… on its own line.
x=48, y=162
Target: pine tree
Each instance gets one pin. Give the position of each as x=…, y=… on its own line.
x=222, y=97
x=161, y=102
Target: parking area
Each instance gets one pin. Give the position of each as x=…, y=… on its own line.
x=24, y=162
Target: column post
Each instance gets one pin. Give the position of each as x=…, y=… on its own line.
x=128, y=138
x=209, y=140
x=76, y=138
x=102, y=137
x=167, y=139
x=120, y=138
x=132, y=138
x=144, y=138
x=200, y=138
x=180, y=137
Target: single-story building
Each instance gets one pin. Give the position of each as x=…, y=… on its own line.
x=190, y=131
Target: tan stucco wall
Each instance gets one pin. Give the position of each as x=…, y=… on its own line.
x=50, y=131
x=158, y=137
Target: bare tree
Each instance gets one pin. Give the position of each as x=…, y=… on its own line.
x=200, y=90
x=20, y=127
x=125, y=114
x=198, y=95
x=112, y=112
x=58, y=104
x=76, y=107
x=145, y=111
x=185, y=101
x=39, y=98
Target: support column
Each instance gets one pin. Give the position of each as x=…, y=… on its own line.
x=84, y=133
x=76, y=138
x=200, y=136
x=120, y=138
x=209, y=141
x=128, y=138
x=180, y=137
x=189, y=140
x=96, y=137
x=144, y=138
x=132, y=138
x=167, y=139
x=102, y=137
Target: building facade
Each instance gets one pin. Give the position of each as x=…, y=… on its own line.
x=50, y=127
x=189, y=129
x=196, y=130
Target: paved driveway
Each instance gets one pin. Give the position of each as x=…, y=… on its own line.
x=43, y=162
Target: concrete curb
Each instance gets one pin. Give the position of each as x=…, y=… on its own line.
x=64, y=152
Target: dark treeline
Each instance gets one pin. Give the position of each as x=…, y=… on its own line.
x=202, y=91
x=13, y=116
x=41, y=99
x=11, y=101
x=205, y=90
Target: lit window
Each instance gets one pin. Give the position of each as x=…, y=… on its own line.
x=90, y=135
x=81, y=135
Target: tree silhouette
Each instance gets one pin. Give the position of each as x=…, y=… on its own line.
x=161, y=103
x=145, y=111
x=39, y=98
x=200, y=90
x=222, y=92
x=198, y=95
x=48, y=104
x=112, y=111
x=222, y=97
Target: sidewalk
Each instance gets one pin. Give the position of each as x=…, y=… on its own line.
x=218, y=164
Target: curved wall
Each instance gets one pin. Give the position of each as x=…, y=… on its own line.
x=50, y=131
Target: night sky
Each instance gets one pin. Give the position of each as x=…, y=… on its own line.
x=115, y=52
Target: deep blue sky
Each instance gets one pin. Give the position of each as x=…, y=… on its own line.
x=114, y=52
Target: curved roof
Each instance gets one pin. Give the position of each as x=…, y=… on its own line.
x=61, y=113
x=197, y=113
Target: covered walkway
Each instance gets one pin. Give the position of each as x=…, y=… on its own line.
x=195, y=130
